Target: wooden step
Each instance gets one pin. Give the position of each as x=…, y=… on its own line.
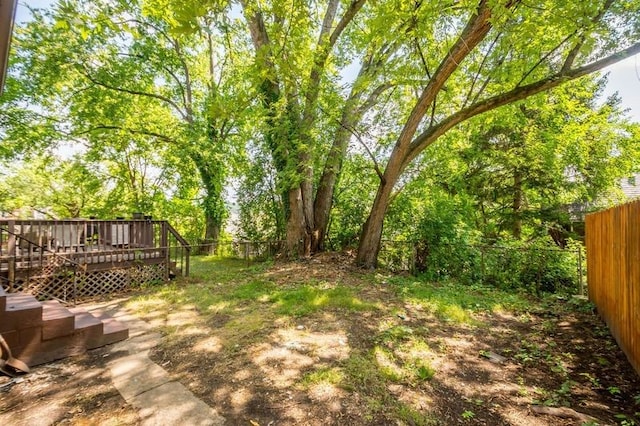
x=21, y=311
x=18, y=339
x=89, y=328
x=39, y=332
x=86, y=333
x=57, y=320
x=52, y=349
x=113, y=330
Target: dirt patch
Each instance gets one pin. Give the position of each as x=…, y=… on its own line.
x=395, y=364
x=74, y=391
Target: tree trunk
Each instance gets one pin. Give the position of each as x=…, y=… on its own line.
x=517, y=205
x=298, y=239
x=324, y=196
x=211, y=176
x=371, y=235
x=306, y=192
x=372, y=232
x=212, y=229
x=351, y=116
x=211, y=233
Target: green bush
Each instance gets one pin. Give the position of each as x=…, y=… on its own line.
x=447, y=248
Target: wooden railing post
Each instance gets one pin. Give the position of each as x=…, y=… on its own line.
x=11, y=250
x=186, y=266
x=185, y=248
x=164, y=241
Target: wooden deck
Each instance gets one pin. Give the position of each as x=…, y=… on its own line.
x=33, y=251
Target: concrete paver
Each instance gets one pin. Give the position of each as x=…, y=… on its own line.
x=135, y=374
x=173, y=404
x=147, y=386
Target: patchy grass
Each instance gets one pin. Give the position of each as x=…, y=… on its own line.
x=320, y=342
x=354, y=347
x=213, y=289
x=456, y=303
x=306, y=299
x=324, y=375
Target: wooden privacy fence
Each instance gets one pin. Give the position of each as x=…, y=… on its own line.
x=613, y=273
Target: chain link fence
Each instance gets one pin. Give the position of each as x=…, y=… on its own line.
x=540, y=269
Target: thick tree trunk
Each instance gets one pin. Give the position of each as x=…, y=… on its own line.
x=351, y=116
x=306, y=192
x=405, y=151
x=372, y=232
x=211, y=176
x=371, y=235
x=298, y=238
x=211, y=233
x=322, y=208
x=212, y=229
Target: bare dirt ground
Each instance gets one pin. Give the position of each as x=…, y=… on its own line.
x=396, y=363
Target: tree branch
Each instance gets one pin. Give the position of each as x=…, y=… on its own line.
x=348, y=16
x=545, y=57
x=132, y=131
x=376, y=166
x=327, y=22
x=477, y=76
x=474, y=32
x=260, y=38
x=323, y=49
x=188, y=116
x=571, y=57
x=429, y=136
x=166, y=69
x=372, y=99
x=134, y=92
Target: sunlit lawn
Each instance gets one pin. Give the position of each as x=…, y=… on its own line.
x=308, y=328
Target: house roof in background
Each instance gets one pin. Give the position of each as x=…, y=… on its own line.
x=7, y=15
x=631, y=186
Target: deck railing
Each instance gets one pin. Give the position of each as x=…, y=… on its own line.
x=29, y=247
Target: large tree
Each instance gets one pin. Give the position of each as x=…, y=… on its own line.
x=300, y=50
x=517, y=172
x=496, y=53
x=447, y=61
x=114, y=77
x=392, y=76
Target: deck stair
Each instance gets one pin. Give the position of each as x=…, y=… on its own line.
x=39, y=332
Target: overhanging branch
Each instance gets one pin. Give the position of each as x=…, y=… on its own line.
x=129, y=130
x=429, y=136
x=134, y=92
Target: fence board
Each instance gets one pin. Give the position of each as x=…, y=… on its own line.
x=613, y=273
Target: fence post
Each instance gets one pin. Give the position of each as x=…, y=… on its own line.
x=186, y=269
x=482, y=272
x=414, y=255
x=580, y=282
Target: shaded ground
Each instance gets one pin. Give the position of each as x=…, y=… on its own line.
x=319, y=342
